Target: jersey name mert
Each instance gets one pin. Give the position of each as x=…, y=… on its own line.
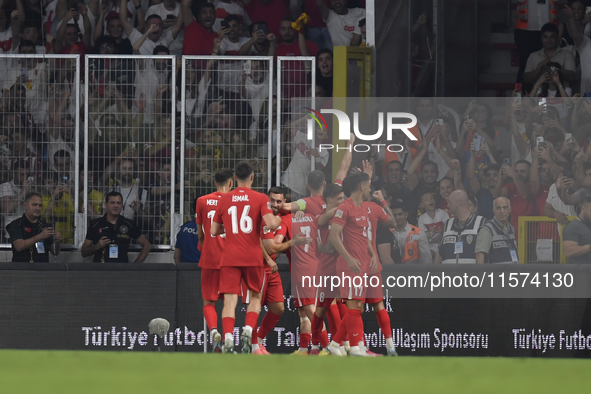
x=212, y=202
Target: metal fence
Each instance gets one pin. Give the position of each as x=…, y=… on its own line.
x=226, y=117
x=131, y=140
x=296, y=156
x=40, y=139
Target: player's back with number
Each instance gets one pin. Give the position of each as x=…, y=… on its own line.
x=213, y=247
x=241, y=212
x=355, y=223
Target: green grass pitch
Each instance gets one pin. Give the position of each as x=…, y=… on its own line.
x=117, y=372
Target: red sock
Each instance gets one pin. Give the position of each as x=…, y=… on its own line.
x=324, y=339
x=341, y=333
x=255, y=338
x=251, y=320
x=354, y=326
x=334, y=319
x=316, y=329
x=211, y=316
x=342, y=309
x=228, y=325
x=269, y=321
x=384, y=323
x=305, y=340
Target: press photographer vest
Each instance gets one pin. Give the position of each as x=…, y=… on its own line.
x=501, y=246
x=411, y=253
x=467, y=236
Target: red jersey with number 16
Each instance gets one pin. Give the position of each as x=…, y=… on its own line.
x=241, y=212
x=213, y=247
x=354, y=220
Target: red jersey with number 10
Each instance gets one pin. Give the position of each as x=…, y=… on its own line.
x=213, y=247
x=354, y=220
x=241, y=212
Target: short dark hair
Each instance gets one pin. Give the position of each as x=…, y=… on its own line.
x=276, y=190
x=232, y=17
x=331, y=190
x=398, y=205
x=160, y=48
x=30, y=195
x=205, y=5
x=429, y=163
x=113, y=193
x=395, y=162
x=362, y=22
x=473, y=200
x=104, y=40
x=316, y=179
x=585, y=201
x=61, y=154
x=523, y=162
x=549, y=28
x=243, y=170
x=222, y=176
x=353, y=181
x=154, y=16
x=258, y=23
x=286, y=19
x=323, y=51
x=492, y=167
x=446, y=178
x=29, y=23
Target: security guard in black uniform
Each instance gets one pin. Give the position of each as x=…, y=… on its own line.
x=108, y=237
x=496, y=239
x=31, y=238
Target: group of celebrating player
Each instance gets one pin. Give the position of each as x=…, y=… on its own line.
x=333, y=232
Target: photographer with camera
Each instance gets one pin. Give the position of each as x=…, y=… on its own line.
x=31, y=238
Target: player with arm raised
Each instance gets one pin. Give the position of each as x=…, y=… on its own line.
x=212, y=248
x=327, y=259
x=350, y=227
x=242, y=212
x=315, y=204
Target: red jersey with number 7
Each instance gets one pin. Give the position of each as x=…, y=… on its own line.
x=304, y=260
x=354, y=220
x=241, y=212
x=213, y=247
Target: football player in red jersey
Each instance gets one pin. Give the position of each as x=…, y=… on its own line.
x=315, y=204
x=327, y=259
x=211, y=251
x=350, y=227
x=379, y=213
x=242, y=212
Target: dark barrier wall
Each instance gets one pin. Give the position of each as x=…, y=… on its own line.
x=102, y=307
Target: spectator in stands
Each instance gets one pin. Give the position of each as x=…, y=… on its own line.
x=445, y=187
x=20, y=149
x=116, y=74
x=568, y=193
x=543, y=173
x=342, y=22
x=324, y=70
x=33, y=76
x=428, y=180
x=531, y=17
x=115, y=31
x=577, y=236
x=169, y=11
x=432, y=221
x=478, y=119
x=580, y=36
x=551, y=52
x=362, y=29
x=317, y=30
x=229, y=72
x=69, y=38
x=58, y=205
x=25, y=29
x=254, y=88
x=153, y=37
x=224, y=8
x=261, y=42
x=63, y=165
x=485, y=192
x=581, y=119
x=519, y=191
x=496, y=243
x=126, y=183
x=94, y=208
x=60, y=137
x=158, y=206
x=550, y=84
x=12, y=193
x=152, y=85
x=187, y=240
x=200, y=27
x=269, y=11
x=555, y=208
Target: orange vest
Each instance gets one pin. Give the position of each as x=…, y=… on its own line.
x=411, y=246
x=522, y=15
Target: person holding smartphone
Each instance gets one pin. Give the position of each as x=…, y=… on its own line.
x=32, y=239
